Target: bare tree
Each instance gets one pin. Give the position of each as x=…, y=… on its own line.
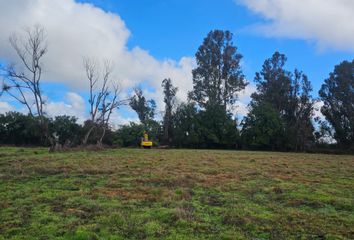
x=23, y=83
x=102, y=100
x=109, y=103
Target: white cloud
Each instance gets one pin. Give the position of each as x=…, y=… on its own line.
x=5, y=107
x=317, y=110
x=241, y=110
x=330, y=23
x=245, y=95
x=117, y=119
x=76, y=30
x=74, y=105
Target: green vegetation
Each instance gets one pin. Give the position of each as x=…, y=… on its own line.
x=175, y=194
x=337, y=94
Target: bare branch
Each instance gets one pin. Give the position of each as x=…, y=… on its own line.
x=30, y=47
x=102, y=100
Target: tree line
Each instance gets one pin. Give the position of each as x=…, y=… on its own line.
x=281, y=111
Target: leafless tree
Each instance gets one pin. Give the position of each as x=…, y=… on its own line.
x=110, y=102
x=102, y=100
x=23, y=82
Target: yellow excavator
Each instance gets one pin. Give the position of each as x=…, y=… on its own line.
x=145, y=143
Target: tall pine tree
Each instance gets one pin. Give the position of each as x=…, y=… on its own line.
x=169, y=99
x=216, y=81
x=288, y=95
x=337, y=94
x=218, y=77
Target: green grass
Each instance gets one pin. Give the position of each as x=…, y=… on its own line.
x=175, y=194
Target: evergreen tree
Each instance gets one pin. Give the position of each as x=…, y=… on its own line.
x=218, y=77
x=288, y=95
x=263, y=128
x=299, y=114
x=216, y=81
x=337, y=94
x=169, y=100
x=186, y=126
x=144, y=108
x=218, y=128
x=273, y=84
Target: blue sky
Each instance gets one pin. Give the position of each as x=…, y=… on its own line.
x=176, y=28
x=153, y=39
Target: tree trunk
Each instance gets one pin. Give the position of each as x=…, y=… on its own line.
x=87, y=135
x=99, y=142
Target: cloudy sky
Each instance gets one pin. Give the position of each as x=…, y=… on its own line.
x=149, y=40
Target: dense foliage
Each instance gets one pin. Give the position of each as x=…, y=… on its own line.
x=19, y=129
x=144, y=108
x=337, y=94
x=281, y=109
x=169, y=99
x=263, y=128
x=218, y=76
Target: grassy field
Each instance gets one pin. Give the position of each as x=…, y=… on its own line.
x=175, y=194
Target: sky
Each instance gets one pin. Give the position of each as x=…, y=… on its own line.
x=149, y=40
